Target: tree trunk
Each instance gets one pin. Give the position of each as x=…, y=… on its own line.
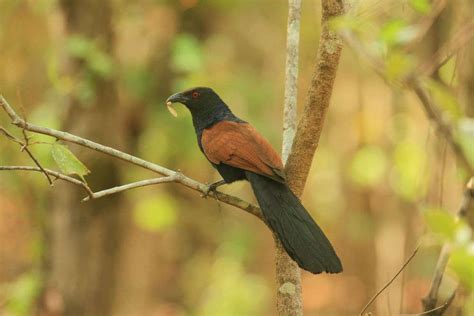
x=85, y=237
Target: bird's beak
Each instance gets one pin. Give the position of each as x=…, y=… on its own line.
x=175, y=98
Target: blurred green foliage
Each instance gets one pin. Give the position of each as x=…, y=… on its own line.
x=421, y=6
x=155, y=213
x=187, y=54
x=95, y=60
x=22, y=294
x=368, y=166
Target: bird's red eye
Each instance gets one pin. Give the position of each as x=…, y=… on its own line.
x=195, y=94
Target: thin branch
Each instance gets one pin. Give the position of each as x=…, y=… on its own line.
x=463, y=36
x=390, y=281
x=291, y=76
x=288, y=274
x=133, y=185
x=53, y=173
x=24, y=147
x=426, y=22
x=186, y=181
x=37, y=163
x=430, y=300
x=431, y=110
x=439, y=309
x=10, y=136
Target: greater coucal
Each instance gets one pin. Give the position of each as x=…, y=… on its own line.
x=239, y=152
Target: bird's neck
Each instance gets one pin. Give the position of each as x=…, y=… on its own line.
x=207, y=117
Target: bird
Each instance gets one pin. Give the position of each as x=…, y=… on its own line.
x=239, y=152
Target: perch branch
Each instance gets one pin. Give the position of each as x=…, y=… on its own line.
x=55, y=174
x=186, y=181
x=133, y=185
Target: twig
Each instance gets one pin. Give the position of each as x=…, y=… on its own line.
x=390, y=282
x=125, y=187
x=440, y=309
x=444, y=54
x=186, y=181
x=37, y=163
x=443, y=127
x=10, y=136
x=24, y=147
x=430, y=300
x=55, y=174
x=425, y=24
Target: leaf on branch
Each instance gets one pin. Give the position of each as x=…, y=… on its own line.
x=397, y=32
x=447, y=227
x=462, y=263
x=67, y=162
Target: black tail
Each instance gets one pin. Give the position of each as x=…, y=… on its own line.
x=302, y=238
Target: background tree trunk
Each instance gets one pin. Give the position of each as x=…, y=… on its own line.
x=85, y=239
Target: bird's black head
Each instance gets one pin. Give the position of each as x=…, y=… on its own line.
x=205, y=105
x=196, y=99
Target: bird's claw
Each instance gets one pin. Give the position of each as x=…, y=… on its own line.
x=212, y=188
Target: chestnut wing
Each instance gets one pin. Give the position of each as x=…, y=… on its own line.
x=240, y=145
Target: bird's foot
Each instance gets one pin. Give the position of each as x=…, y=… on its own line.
x=212, y=188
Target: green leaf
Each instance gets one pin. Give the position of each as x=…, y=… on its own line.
x=368, y=166
x=447, y=226
x=67, y=162
x=397, y=32
x=421, y=6
x=462, y=263
x=441, y=222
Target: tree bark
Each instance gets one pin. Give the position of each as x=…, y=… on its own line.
x=311, y=124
